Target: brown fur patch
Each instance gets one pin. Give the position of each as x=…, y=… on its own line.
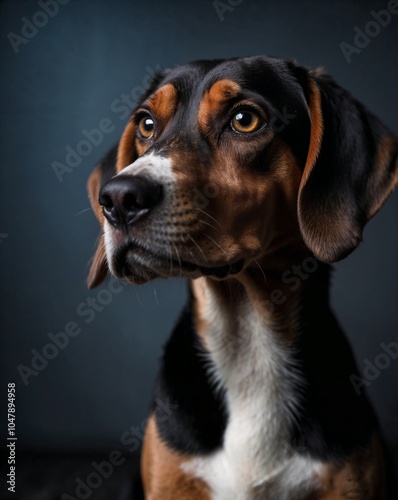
x=362, y=478
x=256, y=211
x=163, y=103
x=93, y=188
x=214, y=99
x=315, y=106
x=126, y=152
x=162, y=472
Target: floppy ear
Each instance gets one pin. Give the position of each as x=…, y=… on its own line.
x=102, y=173
x=350, y=171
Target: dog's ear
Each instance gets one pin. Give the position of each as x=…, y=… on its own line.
x=351, y=169
x=101, y=174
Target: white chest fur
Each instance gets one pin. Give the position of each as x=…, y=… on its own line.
x=261, y=384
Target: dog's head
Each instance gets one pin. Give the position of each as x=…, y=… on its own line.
x=224, y=162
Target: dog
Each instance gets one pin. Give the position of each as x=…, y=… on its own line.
x=249, y=177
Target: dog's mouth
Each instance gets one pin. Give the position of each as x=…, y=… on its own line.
x=138, y=264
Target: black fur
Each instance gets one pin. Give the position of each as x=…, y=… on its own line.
x=334, y=420
x=198, y=419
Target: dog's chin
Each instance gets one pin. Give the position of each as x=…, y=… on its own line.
x=136, y=276
x=138, y=266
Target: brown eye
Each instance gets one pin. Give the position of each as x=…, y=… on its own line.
x=146, y=127
x=246, y=121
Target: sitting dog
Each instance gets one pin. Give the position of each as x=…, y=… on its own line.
x=249, y=177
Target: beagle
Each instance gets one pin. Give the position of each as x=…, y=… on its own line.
x=249, y=177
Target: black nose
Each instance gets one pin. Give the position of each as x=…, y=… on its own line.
x=126, y=199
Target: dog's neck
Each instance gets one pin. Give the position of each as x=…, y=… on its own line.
x=249, y=325
x=269, y=292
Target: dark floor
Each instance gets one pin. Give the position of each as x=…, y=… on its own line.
x=57, y=477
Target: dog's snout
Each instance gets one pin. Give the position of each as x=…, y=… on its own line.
x=125, y=198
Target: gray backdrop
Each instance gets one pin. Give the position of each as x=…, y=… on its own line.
x=66, y=79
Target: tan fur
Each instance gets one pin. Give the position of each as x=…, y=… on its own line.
x=162, y=103
x=93, y=188
x=126, y=152
x=316, y=131
x=162, y=472
x=213, y=101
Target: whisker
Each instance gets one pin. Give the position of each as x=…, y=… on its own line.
x=192, y=255
x=261, y=269
x=139, y=300
x=207, y=224
x=155, y=294
x=82, y=211
x=194, y=242
x=178, y=257
x=215, y=242
x=171, y=259
x=208, y=215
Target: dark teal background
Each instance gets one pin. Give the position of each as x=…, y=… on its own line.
x=69, y=77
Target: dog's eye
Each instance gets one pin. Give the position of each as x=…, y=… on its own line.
x=146, y=127
x=246, y=121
